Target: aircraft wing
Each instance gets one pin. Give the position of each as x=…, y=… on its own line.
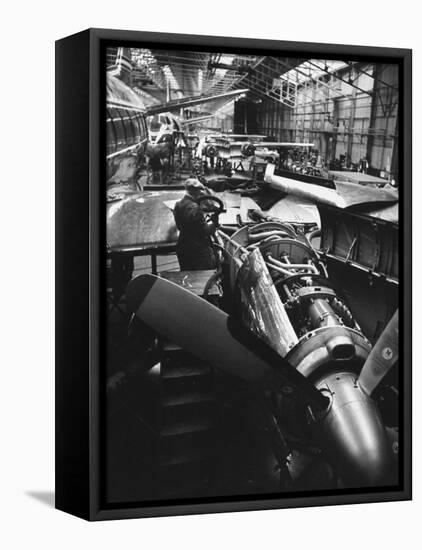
x=142, y=221
x=272, y=143
x=345, y=194
x=282, y=144
x=189, y=101
x=187, y=121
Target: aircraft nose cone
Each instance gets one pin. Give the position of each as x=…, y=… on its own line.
x=353, y=434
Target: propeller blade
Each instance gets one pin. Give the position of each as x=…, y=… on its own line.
x=382, y=356
x=210, y=334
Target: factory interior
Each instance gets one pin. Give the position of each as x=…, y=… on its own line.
x=252, y=269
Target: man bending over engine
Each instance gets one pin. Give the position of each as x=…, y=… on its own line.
x=194, y=247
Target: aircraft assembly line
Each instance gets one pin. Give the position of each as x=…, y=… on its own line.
x=273, y=370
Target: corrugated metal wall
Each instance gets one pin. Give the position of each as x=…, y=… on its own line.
x=342, y=120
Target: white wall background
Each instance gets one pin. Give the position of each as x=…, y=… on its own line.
x=28, y=31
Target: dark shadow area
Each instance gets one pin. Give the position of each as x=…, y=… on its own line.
x=45, y=497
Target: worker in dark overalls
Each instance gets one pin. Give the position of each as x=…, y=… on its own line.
x=194, y=247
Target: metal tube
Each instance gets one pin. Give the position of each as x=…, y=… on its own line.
x=322, y=315
x=254, y=237
x=279, y=269
x=292, y=266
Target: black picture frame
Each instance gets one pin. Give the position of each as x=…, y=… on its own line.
x=80, y=278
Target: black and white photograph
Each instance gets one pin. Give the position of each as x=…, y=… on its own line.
x=210, y=295
x=252, y=210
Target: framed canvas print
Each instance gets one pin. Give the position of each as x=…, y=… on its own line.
x=233, y=274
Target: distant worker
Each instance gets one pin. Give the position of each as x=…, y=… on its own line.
x=363, y=165
x=194, y=247
x=165, y=170
x=156, y=167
